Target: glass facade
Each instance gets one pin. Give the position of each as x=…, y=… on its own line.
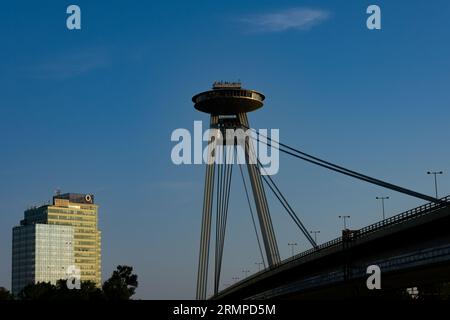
x=54, y=252
x=23, y=253
x=87, y=237
x=41, y=253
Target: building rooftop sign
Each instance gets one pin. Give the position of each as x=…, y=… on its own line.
x=75, y=198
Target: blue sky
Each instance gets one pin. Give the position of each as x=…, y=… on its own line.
x=93, y=110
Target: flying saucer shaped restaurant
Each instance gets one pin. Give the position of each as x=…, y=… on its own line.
x=228, y=99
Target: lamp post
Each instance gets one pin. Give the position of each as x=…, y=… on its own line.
x=259, y=265
x=345, y=220
x=435, y=173
x=292, y=244
x=315, y=235
x=382, y=204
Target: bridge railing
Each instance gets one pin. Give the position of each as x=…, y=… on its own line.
x=407, y=215
x=399, y=218
x=325, y=245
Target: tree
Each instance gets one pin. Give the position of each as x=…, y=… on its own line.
x=88, y=291
x=5, y=294
x=38, y=291
x=122, y=284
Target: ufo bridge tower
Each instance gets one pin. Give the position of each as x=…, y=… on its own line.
x=228, y=105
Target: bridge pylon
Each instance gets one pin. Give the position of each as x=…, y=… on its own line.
x=228, y=105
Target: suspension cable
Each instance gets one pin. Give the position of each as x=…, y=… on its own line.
x=218, y=225
x=222, y=202
x=269, y=181
x=331, y=166
x=276, y=191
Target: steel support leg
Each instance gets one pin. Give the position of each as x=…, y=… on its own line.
x=205, y=236
x=262, y=208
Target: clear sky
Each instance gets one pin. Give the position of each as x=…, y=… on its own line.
x=92, y=111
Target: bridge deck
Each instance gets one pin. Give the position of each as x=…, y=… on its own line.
x=388, y=243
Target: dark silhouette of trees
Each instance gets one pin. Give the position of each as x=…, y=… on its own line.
x=5, y=294
x=122, y=284
x=38, y=291
x=88, y=291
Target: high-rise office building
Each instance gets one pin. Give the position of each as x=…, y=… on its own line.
x=52, y=238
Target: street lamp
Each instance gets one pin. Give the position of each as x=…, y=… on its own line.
x=246, y=272
x=435, y=173
x=315, y=235
x=345, y=220
x=382, y=203
x=259, y=265
x=292, y=244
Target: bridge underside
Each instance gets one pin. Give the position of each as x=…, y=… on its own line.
x=430, y=279
x=411, y=249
